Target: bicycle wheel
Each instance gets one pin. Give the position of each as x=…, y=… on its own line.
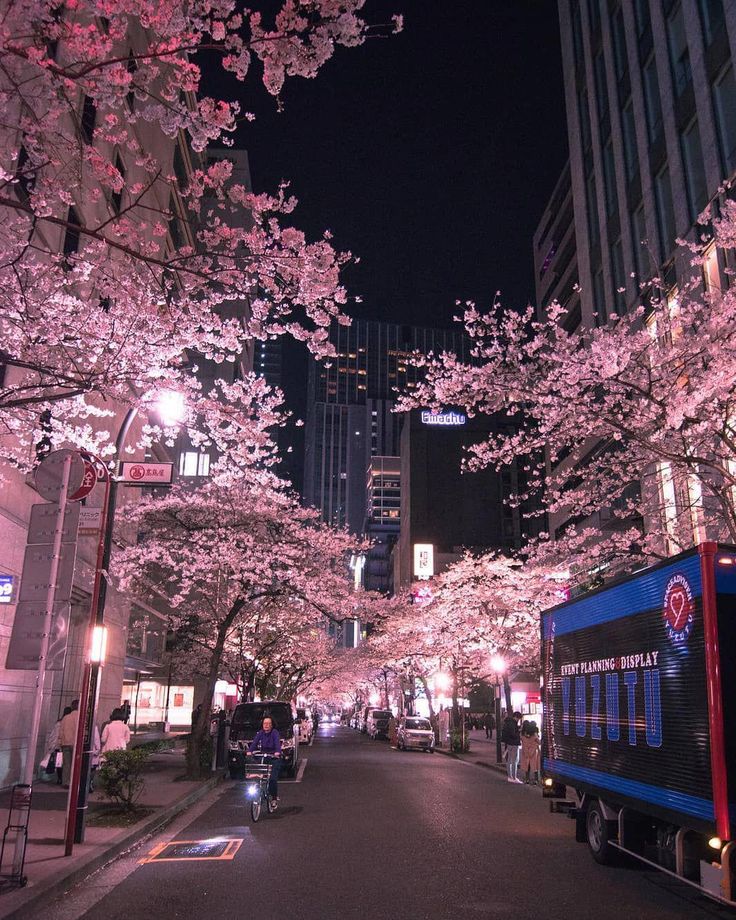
x=255, y=808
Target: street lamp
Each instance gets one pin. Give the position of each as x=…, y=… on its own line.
x=499, y=666
x=171, y=408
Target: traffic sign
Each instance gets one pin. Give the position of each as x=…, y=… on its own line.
x=36, y=577
x=43, y=523
x=138, y=473
x=89, y=480
x=24, y=649
x=48, y=474
x=101, y=471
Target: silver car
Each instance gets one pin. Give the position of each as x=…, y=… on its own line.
x=415, y=732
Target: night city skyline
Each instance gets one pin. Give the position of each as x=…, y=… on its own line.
x=315, y=602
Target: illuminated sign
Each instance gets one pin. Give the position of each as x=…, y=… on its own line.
x=423, y=560
x=443, y=418
x=7, y=585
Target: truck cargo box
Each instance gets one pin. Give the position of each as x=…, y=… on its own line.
x=639, y=682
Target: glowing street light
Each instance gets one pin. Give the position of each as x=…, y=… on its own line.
x=498, y=664
x=441, y=681
x=98, y=647
x=171, y=407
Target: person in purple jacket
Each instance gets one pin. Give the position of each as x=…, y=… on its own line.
x=268, y=741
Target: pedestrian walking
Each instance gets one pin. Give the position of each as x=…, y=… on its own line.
x=392, y=730
x=489, y=723
x=116, y=734
x=530, y=753
x=511, y=737
x=67, y=740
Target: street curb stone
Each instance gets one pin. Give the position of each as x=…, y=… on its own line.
x=15, y=906
x=499, y=767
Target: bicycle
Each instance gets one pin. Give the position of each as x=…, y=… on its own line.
x=257, y=778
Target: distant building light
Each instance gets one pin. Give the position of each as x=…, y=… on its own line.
x=443, y=418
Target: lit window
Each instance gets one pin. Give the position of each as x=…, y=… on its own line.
x=711, y=273
x=193, y=463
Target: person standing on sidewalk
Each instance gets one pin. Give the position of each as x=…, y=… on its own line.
x=511, y=737
x=530, y=753
x=116, y=734
x=67, y=738
x=490, y=724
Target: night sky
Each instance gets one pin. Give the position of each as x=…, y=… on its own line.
x=430, y=154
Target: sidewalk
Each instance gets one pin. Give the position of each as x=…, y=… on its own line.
x=482, y=751
x=46, y=867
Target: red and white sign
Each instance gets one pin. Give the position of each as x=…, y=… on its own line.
x=147, y=474
x=89, y=481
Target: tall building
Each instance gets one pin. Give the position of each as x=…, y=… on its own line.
x=450, y=510
x=382, y=521
x=650, y=95
x=349, y=411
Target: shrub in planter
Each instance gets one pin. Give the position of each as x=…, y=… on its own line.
x=456, y=742
x=120, y=776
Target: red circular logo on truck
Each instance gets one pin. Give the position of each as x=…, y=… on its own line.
x=679, y=610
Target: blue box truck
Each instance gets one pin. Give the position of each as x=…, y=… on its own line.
x=639, y=719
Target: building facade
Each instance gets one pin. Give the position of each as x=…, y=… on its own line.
x=382, y=521
x=350, y=416
x=450, y=510
x=650, y=96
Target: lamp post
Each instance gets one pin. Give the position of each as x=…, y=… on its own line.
x=81, y=767
x=171, y=408
x=499, y=666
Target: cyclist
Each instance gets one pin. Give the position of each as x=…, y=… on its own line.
x=268, y=741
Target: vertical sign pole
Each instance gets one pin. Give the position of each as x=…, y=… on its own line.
x=30, y=764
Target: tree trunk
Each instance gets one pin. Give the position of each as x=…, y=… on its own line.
x=507, y=694
x=198, y=764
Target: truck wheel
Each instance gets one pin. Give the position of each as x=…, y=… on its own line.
x=596, y=828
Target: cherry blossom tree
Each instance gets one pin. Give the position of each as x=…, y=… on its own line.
x=238, y=564
x=125, y=246
x=483, y=606
x=635, y=418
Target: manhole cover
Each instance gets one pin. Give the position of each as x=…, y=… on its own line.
x=213, y=848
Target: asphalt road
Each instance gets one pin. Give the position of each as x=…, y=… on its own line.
x=372, y=833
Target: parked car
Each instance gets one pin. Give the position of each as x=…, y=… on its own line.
x=248, y=718
x=415, y=733
x=377, y=723
x=306, y=725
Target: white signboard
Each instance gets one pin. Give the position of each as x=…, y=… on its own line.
x=146, y=474
x=90, y=521
x=423, y=560
x=443, y=418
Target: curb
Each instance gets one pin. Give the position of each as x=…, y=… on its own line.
x=19, y=902
x=498, y=767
